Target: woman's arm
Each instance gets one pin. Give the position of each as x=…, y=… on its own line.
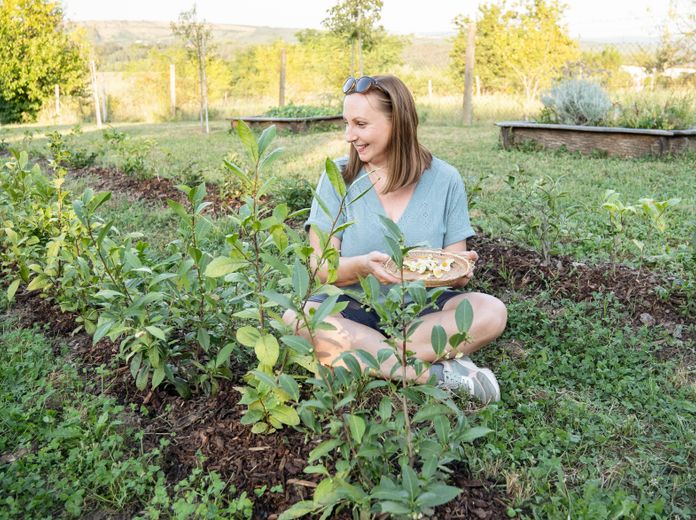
x=351, y=269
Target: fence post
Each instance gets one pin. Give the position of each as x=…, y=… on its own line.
x=469, y=75
x=281, y=89
x=104, y=104
x=172, y=89
x=95, y=90
x=57, y=90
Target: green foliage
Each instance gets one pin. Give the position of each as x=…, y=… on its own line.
x=355, y=22
x=133, y=153
x=295, y=192
x=291, y=110
x=521, y=50
x=318, y=63
x=70, y=453
x=543, y=219
x=673, y=112
x=36, y=54
x=576, y=102
x=66, y=153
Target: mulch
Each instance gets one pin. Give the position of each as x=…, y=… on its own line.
x=211, y=425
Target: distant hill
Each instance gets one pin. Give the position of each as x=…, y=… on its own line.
x=121, y=41
x=160, y=33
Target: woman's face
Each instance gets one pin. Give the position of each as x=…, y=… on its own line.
x=367, y=128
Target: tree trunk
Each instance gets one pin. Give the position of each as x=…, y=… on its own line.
x=352, y=57
x=468, y=104
x=204, y=89
x=360, y=65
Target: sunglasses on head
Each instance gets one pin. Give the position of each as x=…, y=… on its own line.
x=361, y=85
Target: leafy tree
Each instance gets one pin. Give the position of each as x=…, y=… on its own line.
x=355, y=22
x=36, y=54
x=196, y=36
x=523, y=49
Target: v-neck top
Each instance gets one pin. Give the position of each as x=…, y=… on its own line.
x=436, y=216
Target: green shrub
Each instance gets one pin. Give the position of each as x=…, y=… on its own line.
x=291, y=110
x=575, y=102
x=670, y=113
x=295, y=192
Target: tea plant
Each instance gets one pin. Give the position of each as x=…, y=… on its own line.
x=66, y=153
x=133, y=153
x=542, y=219
x=391, y=458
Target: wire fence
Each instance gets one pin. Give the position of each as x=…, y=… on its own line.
x=667, y=63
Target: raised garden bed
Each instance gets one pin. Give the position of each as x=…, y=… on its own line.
x=294, y=124
x=615, y=141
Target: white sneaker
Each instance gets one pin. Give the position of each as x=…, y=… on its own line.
x=463, y=374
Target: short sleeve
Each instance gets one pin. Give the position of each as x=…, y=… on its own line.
x=457, y=223
x=332, y=202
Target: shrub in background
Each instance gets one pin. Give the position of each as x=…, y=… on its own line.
x=575, y=102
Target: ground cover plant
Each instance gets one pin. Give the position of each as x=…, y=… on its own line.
x=598, y=415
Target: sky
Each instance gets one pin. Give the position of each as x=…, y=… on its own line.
x=586, y=19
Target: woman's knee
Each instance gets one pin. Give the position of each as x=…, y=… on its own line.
x=494, y=310
x=290, y=317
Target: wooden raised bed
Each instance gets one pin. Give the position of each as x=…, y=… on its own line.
x=294, y=124
x=615, y=141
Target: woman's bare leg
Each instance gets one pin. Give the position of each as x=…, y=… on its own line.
x=490, y=318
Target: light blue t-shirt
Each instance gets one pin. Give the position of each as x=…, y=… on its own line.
x=436, y=216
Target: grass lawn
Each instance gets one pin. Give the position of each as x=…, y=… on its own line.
x=595, y=421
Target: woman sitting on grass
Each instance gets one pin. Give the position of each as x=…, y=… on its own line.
x=425, y=197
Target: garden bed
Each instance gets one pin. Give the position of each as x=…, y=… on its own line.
x=294, y=124
x=614, y=141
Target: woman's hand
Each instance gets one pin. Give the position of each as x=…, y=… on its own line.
x=472, y=256
x=374, y=265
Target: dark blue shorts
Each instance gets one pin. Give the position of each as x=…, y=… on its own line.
x=357, y=313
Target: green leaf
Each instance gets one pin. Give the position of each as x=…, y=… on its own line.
x=157, y=377
x=178, y=208
x=394, y=508
x=357, y=427
x=323, y=449
x=224, y=355
x=410, y=480
x=368, y=359
x=248, y=140
x=248, y=335
x=99, y=199
x=300, y=279
x=464, y=316
x=142, y=378
x=156, y=332
x=327, y=308
x=475, y=433
x=237, y=171
x=12, y=289
x=438, y=338
x=290, y=386
x=222, y=266
x=298, y=344
x=430, y=412
x=391, y=227
x=271, y=157
x=286, y=415
x=280, y=299
x=267, y=350
x=266, y=138
x=103, y=328
x=437, y=494
x=335, y=177
x=298, y=510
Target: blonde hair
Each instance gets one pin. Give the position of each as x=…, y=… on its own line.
x=406, y=157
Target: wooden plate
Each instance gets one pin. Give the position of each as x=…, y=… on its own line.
x=459, y=268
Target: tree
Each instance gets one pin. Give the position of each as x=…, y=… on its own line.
x=355, y=22
x=522, y=49
x=36, y=54
x=196, y=36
